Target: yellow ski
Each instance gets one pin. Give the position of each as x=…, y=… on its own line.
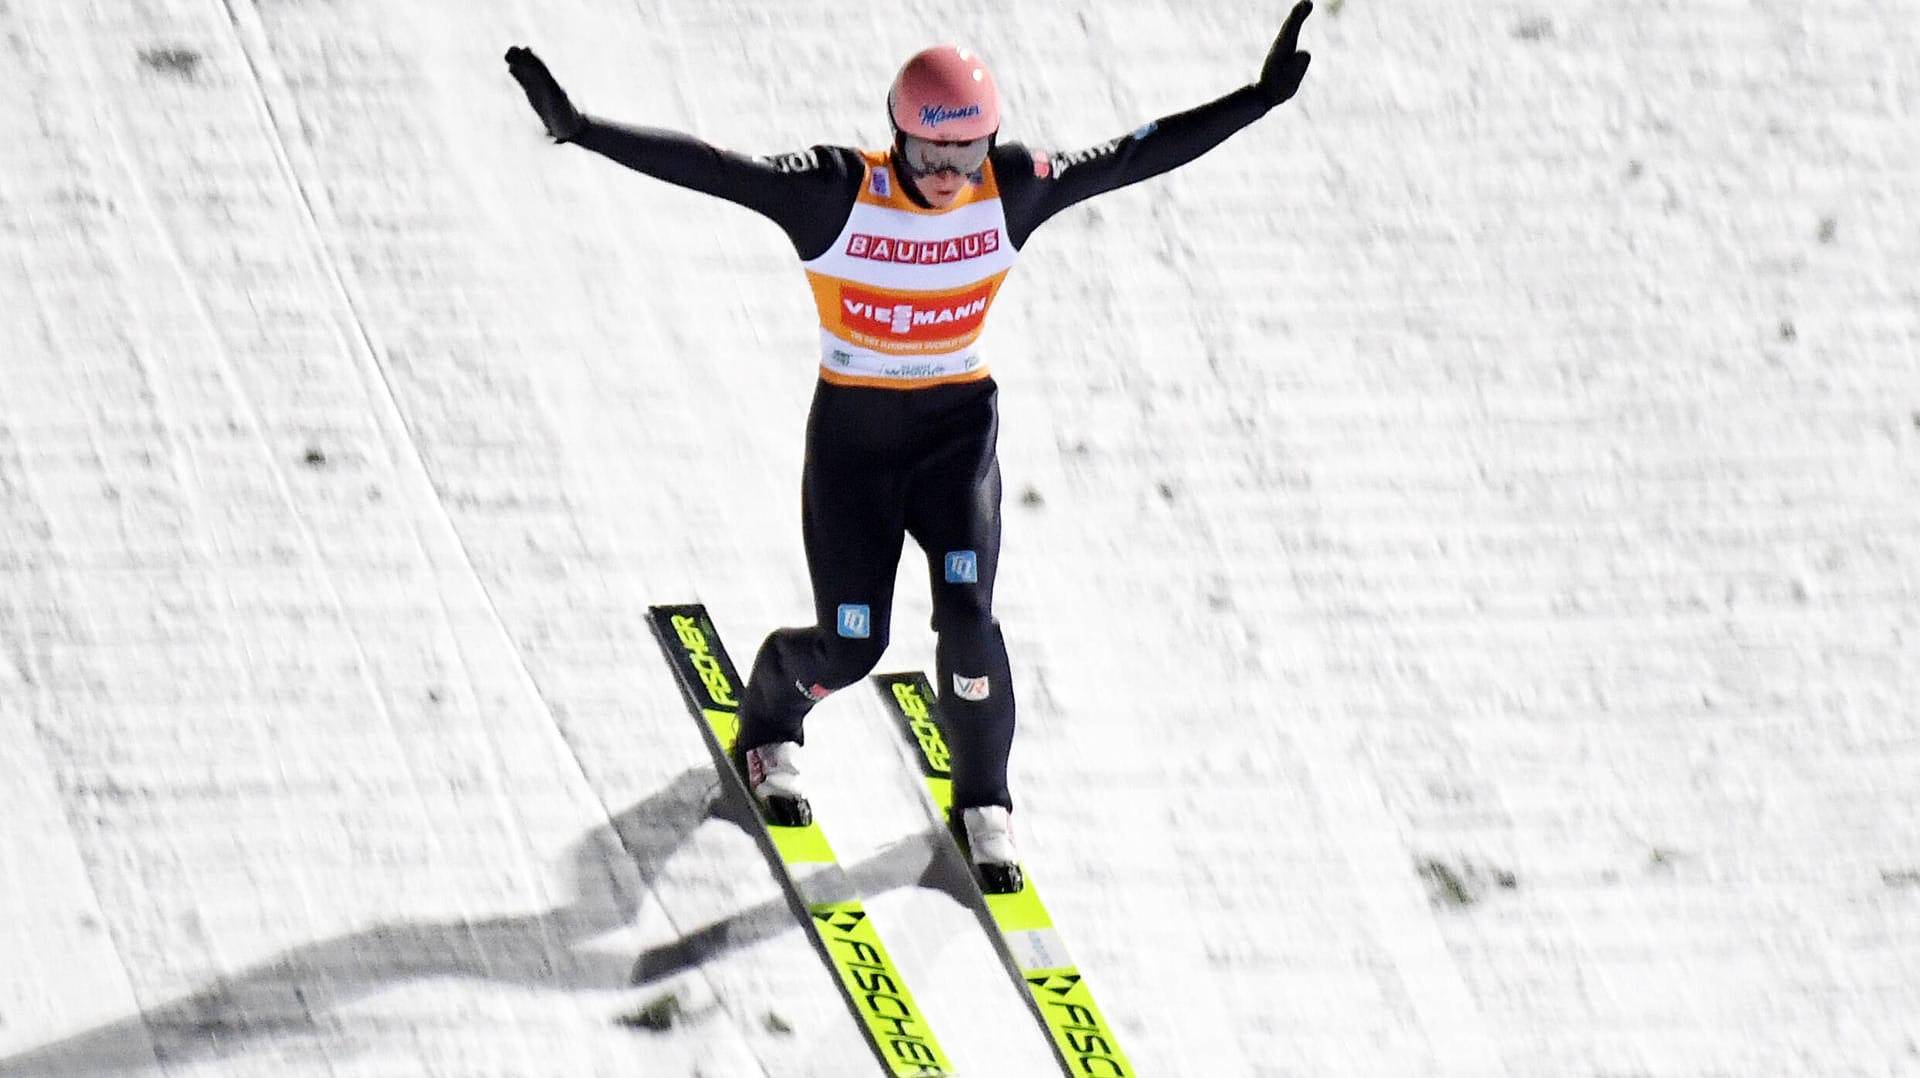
x=815, y=883
x=1028, y=943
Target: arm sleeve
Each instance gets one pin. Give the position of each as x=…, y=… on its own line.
x=808, y=194
x=1035, y=185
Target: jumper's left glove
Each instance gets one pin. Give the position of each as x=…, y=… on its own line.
x=1286, y=65
x=545, y=95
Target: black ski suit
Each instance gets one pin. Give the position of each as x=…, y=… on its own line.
x=885, y=463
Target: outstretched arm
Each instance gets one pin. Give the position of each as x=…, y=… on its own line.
x=808, y=194
x=1035, y=186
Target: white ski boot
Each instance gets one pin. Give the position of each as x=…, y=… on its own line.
x=989, y=840
x=773, y=775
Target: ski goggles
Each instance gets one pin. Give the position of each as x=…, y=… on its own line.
x=925, y=157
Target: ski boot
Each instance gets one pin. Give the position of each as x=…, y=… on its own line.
x=986, y=833
x=773, y=777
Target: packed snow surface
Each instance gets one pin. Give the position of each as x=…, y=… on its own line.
x=1460, y=562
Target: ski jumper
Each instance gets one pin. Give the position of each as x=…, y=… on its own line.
x=902, y=432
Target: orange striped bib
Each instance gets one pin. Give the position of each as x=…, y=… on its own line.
x=903, y=293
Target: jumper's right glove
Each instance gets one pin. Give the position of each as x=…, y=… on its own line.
x=545, y=95
x=1286, y=65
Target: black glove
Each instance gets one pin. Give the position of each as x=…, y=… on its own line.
x=545, y=95
x=1286, y=65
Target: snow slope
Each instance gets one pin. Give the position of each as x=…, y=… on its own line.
x=1460, y=563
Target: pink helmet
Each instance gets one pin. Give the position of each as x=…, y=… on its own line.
x=945, y=94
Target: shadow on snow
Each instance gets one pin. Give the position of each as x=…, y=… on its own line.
x=293, y=996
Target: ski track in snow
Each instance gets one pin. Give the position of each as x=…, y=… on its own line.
x=1459, y=557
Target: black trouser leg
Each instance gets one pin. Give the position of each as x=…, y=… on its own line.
x=853, y=525
x=976, y=696
x=953, y=511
